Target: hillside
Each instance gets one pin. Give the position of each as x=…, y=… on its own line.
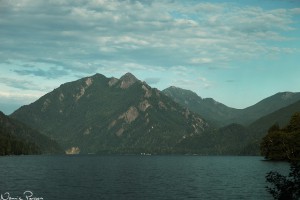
x=17, y=138
x=108, y=115
x=229, y=140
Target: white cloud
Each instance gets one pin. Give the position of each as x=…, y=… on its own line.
x=201, y=60
x=295, y=11
x=19, y=97
x=206, y=84
x=116, y=21
x=107, y=35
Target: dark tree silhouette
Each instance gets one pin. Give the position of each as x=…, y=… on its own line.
x=285, y=188
x=283, y=144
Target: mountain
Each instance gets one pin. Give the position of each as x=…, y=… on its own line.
x=108, y=115
x=221, y=115
x=267, y=106
x=235, y=139
x=213, y=111
x=281, y=117
x=17, y=138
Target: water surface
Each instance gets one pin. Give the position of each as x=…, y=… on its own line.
x=136, y=177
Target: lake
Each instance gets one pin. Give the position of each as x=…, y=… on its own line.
x=98, y=177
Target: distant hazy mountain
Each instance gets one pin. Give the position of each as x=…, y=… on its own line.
x=280, y=117
x=213, y=111
x=99, y=114
x=17, y=138
x=267, y=106
x=222, y=115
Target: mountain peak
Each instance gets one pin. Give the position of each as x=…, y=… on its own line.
x=287, y=95
x=97, y=75
x=128, y=75
x=127, y=79
x=173, y=90
x=173, y=87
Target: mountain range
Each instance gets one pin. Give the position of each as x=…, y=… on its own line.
x=97, y=114
x=236, y=139
x=238, y=131
x=107, y=115
x=222, y=115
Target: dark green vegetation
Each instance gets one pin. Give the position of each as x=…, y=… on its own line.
x=285, y=187
x=230, y=140
x=108, y=115
x=283, y=144
x=16, y=139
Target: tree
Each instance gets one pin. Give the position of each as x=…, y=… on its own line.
x=294, y=124
x=285, y=187
x=274, y=146
x=274, y=128
x=283, y=144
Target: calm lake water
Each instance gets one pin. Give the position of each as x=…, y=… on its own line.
x=136, y=177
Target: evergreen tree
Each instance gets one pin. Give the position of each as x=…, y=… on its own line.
x=285, y=188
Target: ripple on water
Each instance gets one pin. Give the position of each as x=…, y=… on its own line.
x=137, y=177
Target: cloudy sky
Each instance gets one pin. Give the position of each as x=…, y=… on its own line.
x=237, y=52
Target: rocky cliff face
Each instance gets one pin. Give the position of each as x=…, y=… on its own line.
x=99, y=114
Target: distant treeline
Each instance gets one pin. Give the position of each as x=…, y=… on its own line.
x=10, y=145
x=16, y=139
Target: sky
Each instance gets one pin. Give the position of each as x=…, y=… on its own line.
x=236, y=51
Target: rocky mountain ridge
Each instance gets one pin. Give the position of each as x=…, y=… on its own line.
x=99, y=114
